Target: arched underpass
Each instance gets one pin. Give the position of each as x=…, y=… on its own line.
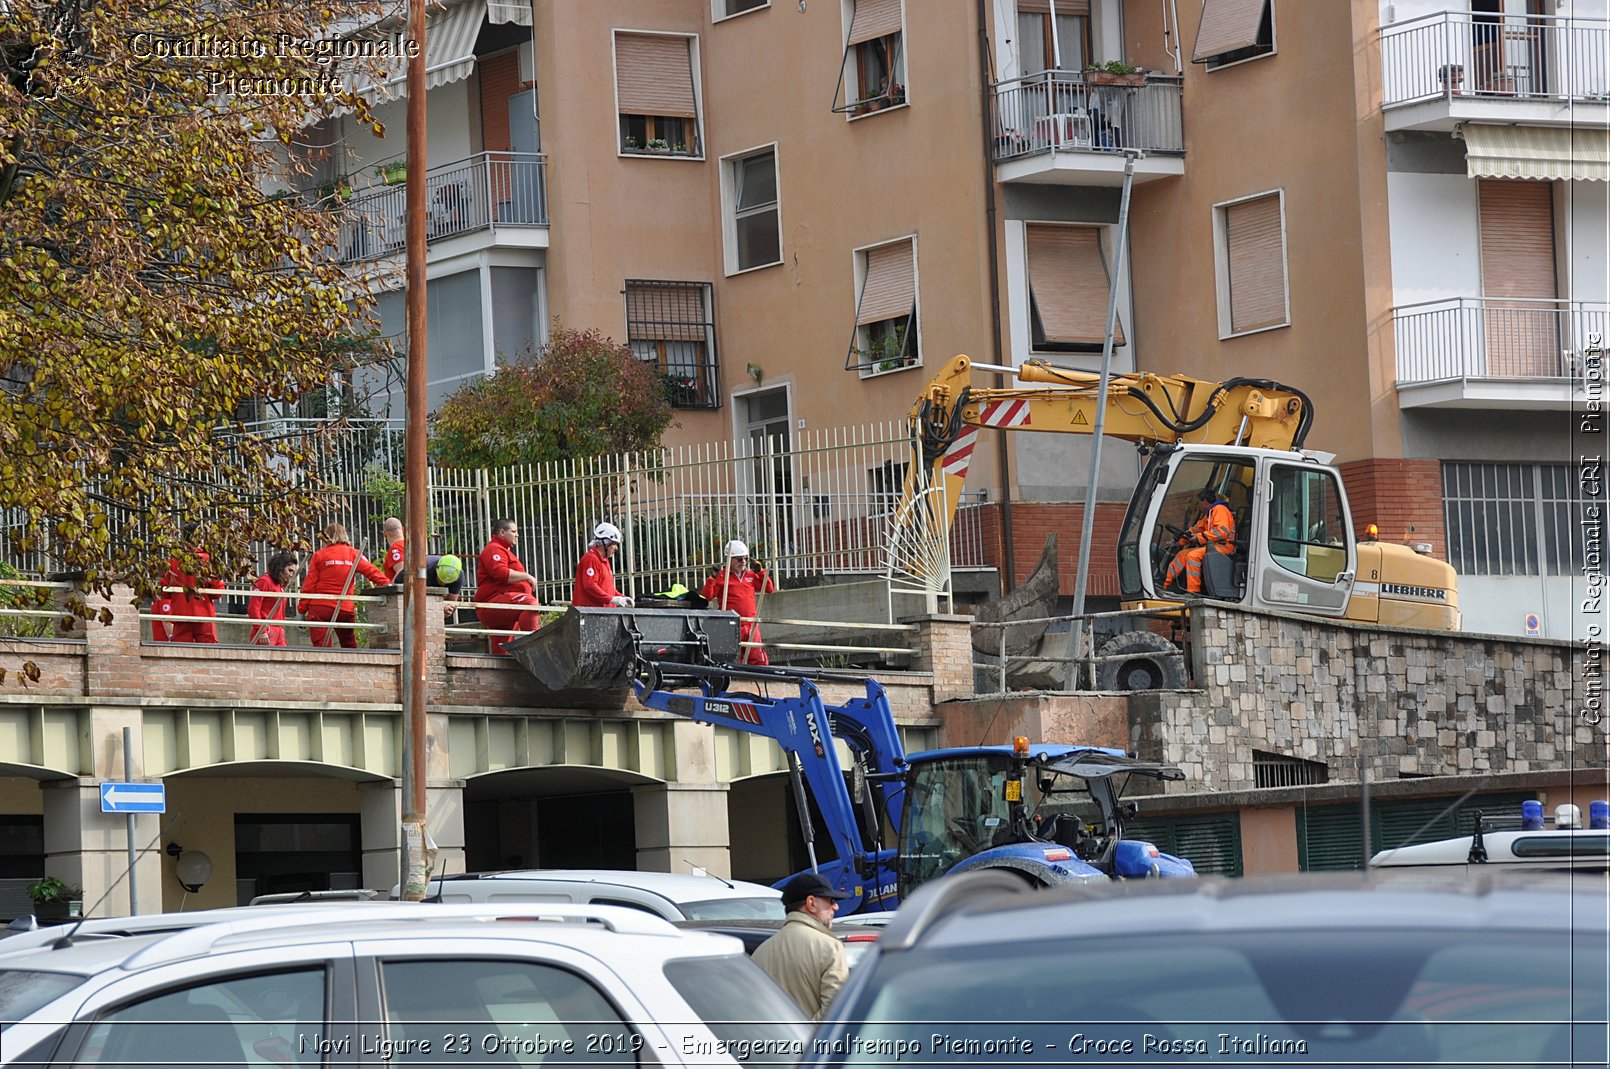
x=557, y=816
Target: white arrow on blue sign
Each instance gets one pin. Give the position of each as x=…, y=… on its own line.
x=134, y=798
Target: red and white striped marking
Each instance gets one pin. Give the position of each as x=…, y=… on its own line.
x=1005, y=413
x=960, y=453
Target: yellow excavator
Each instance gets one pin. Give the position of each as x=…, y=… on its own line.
x=1242, y=439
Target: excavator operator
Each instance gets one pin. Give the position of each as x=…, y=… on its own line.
x=1214, y=530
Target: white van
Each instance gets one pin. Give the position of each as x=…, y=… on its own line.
x=673, y=895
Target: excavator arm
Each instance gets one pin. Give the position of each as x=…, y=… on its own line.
x=1138, y=407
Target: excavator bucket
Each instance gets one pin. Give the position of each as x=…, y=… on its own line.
x=597, y=649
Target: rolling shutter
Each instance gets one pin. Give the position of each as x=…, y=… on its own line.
x=890, y=288
x=1069, y=282
x=874, y=19
x=1227, y=25
x=500, y=80
x=1209, y=841
x=1064, y=7
x=1328, y=836
x=1257, y=271
x=666, y=313
x=654, y=75
x=1517, y=260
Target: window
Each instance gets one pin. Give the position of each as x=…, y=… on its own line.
x=1513, y=519
x=885, y=336
x=1234, y=30
x=727, y=8
x=754, y=228
x=1250, y=238
x=521, y=1012
x=1068, y=289
x=887, y=483
x=216, y=1024
x=1282, y=770
x=669, y=325
x=873, y=74
x=1053, y=42
x=655, y=94
x=1307, y=533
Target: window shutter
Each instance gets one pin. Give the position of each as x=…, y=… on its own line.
x=1226, y=26
x=1064, y=7
x=1328, y=838
x=1517, y=260
x=890, y=289
x=1257, y=264
x=874, y=19
x=665, y=313
x=654, y=75
x=1210, y=841
x=500, y=80
x=1069, y=280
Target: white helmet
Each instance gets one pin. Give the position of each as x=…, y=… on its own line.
x=736, y=548
x=607, y=532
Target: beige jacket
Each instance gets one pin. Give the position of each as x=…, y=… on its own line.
x=807, y=961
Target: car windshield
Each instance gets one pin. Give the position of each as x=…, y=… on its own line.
x=734, y=909
x=22, y=991
x=1353, y=996
x=739, y=1003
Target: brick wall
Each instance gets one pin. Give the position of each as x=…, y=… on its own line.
x=1403, y=498
x=1033, y=520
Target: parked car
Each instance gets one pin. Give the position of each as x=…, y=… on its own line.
x=672, y=895
x=1290, y=971
x=398, y=983
x=857, y=939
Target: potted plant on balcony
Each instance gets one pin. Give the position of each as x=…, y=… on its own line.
x=334, y=191
x=659, y=144
x=1114, y=72
x=897, y=93
x=55, y=900
x=393, y=172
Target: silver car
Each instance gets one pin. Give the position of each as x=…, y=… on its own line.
x=535, y=985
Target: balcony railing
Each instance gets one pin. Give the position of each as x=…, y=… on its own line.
x=1464, y=54
x=490, y=189
x=1498, y=338
x=1060, y=111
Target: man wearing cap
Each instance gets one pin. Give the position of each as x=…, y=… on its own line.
x=805, y=957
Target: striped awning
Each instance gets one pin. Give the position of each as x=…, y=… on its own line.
x=1544, y=153
x=515, y=11
x=449, y=49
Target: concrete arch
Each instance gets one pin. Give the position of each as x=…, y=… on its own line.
x=555, y=816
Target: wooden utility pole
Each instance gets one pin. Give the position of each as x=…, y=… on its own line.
x=415, y=858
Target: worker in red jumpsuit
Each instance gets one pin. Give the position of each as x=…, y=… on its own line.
x=282, y=569
x=196, y=599
x=1215, y=531
x=738, y=587
x=594, y=587
x=334, y=569
x=500, y=578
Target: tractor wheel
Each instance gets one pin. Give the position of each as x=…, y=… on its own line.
x=1140, y=660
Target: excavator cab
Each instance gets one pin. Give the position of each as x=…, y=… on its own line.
x=1293, y=547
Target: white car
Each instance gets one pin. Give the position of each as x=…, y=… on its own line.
x=675, y=896
x=402, y=983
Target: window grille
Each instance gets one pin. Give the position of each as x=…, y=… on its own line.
x=670, y=325
x=1512, y=519
x=1280, y=770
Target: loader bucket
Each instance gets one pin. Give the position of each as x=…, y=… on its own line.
x=597, y=649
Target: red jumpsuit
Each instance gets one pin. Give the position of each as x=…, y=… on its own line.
x=740, y=590
x=266, y=609
x=329, y=571
x=492, y=584
x=395, y=558
x=595, y=581
x=199, y=603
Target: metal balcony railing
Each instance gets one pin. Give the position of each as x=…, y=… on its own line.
x=1058, y=111
x=1498, y=338
x=1466, y=54
x=503, y=189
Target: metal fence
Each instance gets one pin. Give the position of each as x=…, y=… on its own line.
x=1060, y=111
x=1508, y=338
x=1464, y=54
x=484, y=190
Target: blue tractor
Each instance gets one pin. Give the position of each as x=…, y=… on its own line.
x=1051, y=814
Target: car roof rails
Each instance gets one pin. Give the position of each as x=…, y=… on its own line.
x=934, y=901
x=200, y=940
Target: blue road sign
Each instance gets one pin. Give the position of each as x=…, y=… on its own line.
x=134, y=798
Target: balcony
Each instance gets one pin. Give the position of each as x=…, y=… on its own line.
x=1509, y=353
x=1533, y=70
x=1055, y=128
x=499, y=197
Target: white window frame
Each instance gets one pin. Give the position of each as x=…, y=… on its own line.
x=698, y=93
x=729, y=204
x=718, y=12
x=1274, y=47
x=858, y=257
x=1221, y=263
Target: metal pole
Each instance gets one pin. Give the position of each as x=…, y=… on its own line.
x=1088, y=521
x=416, y=863
x=128, y=777
x=1364, y=809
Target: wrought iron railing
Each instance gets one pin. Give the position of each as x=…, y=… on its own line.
x=1468, y=54
x=1498, y=338
x=1059, y=111
x=489, y=189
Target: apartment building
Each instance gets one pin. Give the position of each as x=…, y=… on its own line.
x=795, y=209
